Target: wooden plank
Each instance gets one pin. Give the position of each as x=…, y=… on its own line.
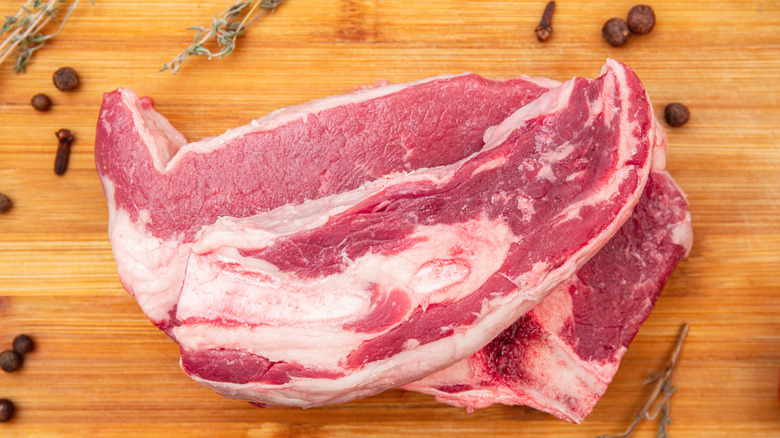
x=101, y=369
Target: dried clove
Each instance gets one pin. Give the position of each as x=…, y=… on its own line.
x=63, y=151
x=41, y=102
x=641, y=19
x=23, y=344
x=544, y=30
x=6, y=410
x=676, y=114
x=65, y=79
x=10, y=361
x=5, y=203
x=615, y=31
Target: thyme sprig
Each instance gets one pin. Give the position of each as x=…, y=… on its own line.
x=225, y=29
x=663, y=385
x=24, y=30
x=663, y=409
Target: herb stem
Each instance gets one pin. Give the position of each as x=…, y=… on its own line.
x=64, y=19
x=30, y=28
x=24, y=35
x=246, y=17
x=225, y=29
x=662, y=381
x=10, y=37
x=8, y=40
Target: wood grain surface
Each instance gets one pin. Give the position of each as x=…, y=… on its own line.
x=101, y=369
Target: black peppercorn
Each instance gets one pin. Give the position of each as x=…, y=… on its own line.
x=6, y=410
x=676, y=114
x=41, y=102
x=65, y=79
x=5, y=203
x=10, y=361
x=23, y=344
x=641, y=19
x=615, y=31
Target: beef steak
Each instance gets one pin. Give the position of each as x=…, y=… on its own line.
x=329, y=292
x=162, y=190
x=560, y=356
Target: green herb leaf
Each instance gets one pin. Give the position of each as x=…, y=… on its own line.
x=26, y=28
x=37, y=38
x=224, y=31
x=8, y=24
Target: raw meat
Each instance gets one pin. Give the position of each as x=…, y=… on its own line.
x=560, y=356
x=348, y=294
x=345, y=296
x=161, y=190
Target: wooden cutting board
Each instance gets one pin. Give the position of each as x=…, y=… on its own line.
x=101, y=369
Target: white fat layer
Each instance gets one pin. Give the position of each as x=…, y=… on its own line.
x=682, y=234
x=525, y=207
x=572, y=176
x=541, y=82
x=462, y=372
x=307, y=349
x=151, y=269
x=488, y=133
x=447, y=264
x=104, y=121
x=398, y=369
x=548, y=156
x=263, y=229
x=556, y=309
x=550, y=102
x=553, y=155
x=627, y=128
x=549, y=84
x=278, y=304
x=659, y=151
x=401, y=368
x=491, y=164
